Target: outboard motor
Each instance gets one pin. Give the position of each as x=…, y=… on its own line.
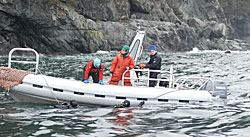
x=220, y=88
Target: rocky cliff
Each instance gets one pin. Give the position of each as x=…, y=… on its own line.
x=238, y=14
x=85, y=26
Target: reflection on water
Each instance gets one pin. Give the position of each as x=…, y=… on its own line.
x=224, y=118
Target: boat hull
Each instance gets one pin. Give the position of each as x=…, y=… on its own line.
x=49, y=90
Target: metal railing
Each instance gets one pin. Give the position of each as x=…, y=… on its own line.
x=193, y=83
x=170, y=77
x=197, y=83
x=21, y=61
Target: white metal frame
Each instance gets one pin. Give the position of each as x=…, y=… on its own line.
x=24, y=62
x=177, y=84
x=183, y=80
x=139, y=37
x=170, y=73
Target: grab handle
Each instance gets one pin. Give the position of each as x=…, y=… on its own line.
x=24, y=62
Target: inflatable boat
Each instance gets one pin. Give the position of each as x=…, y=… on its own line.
x=36, y=88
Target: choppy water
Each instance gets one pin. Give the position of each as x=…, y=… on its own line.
x=221, y=118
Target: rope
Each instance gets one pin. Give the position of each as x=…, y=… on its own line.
x=165, y=93
x=10, y=77
x=49, y=87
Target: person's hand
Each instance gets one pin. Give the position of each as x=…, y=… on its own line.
x=127, y=68
x=142, y=66
x=111, y=74
x=101, y=82
x=86, y=81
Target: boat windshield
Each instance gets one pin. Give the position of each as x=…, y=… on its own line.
x=136, y=45
x=135, y=48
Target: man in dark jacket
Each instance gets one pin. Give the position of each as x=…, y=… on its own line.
x=153, y=64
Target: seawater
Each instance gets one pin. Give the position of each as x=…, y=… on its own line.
x=220, y=118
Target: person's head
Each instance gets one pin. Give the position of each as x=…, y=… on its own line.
x=97, y=63
x=125, y=50
x=153, y=50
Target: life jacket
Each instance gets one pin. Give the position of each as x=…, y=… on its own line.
x=118, y=67
x=91, y=68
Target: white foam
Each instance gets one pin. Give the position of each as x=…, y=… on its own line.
x=102, y=52
x=195, y=50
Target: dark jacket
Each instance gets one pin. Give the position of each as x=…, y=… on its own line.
x=154, y=62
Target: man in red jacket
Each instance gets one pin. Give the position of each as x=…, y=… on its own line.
x=122, y=62
x=95, y=69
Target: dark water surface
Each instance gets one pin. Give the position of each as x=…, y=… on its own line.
x=220, y=118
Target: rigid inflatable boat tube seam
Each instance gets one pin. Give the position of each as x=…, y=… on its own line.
x=166, y=93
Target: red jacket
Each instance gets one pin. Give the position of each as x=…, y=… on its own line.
x=90, y=67
x=119, y=65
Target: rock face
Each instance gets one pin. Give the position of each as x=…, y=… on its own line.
x=51, y=27
x=238, y=13
x=85, y=26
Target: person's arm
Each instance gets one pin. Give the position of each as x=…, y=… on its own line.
x=87, y=69
x=132, y=63
x=101, y=72
x=113, y=65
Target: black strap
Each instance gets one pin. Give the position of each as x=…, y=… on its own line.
x=114, y=81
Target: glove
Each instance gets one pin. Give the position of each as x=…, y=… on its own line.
x=86, y=81
x=101, y=82
x=142, y=66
